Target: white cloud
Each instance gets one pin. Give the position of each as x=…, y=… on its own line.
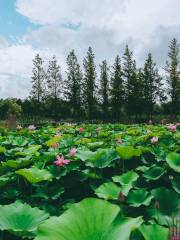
x=106, y=25
x=16, y=69
x=126, y=18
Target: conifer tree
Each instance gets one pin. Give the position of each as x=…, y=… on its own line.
x=131, y=82
x=73, y=84
x=89, y=89
x=173, y=75
x=117, y=89
x=104, y=88
x=54, y=83
x=152, y=83
x=140, y=97
x=38, y=82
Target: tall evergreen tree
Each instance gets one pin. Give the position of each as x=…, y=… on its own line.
x=140, y=93
x=54, y=83
x=38, y=82
x=73, y=84
x=152, y=83
x=117, y=89
x=131, y=82
x=104, y=88
x=173, y=71
x=89, y=84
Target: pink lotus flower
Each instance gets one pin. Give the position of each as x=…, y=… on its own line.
x=72, y=152
x=172, y=128
x=19, y=127
x=119, y=141
x=31, y=127
x=177, y=124
x=154, y=140
x=60, y=161
x=81, y=129
x=54, y=145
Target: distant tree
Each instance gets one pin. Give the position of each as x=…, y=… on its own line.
x=104, y=88
x=152, y=83
x=73, y=84
x=173, y=75
x=38, y=82
x=54, y=83
x=9, y=107
x=139, y=92
x=89, y=85
x=131, y=82
x=117, y=89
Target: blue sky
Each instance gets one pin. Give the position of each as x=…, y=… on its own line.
x=49, y=27
x=12, y=24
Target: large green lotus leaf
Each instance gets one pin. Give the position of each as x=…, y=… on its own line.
x=46, y=157
x=4, y=180
x=85, y=155
x=156, y=214
x=168, y=200
x=49, y=192
x=154, y=173
x=176, y=184
x=94, y=145
x=101, y=158
x=35, y=175
x=55, y=139
x=32, y=150
x=91, y=219
x=126, y=178
x=139, y=197
x=2, y=149
x=128, y=152
x=173, y=159
x=20, y=218
x=19, y=141
x=154, y=232
x=83, y=141
x=20, y=163
x=108, y=191
x=142, y=168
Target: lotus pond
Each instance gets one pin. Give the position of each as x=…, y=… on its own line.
x=90, y=182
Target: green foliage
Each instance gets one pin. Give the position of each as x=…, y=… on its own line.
x=117, y=89
x=128, y=152
x=98, y=220
x=173, y=80
x=73, y=84
x=104, y=88
x=108, y=191
x=9, y=107
x=139, y=197
x=21, y=219
x=35, y=175
x=139, y=179
x=154, y=232
x=89, y=84
x=173, y=159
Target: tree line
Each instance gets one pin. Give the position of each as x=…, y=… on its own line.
x=107, y=93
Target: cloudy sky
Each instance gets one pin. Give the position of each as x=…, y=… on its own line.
x=57, y=26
